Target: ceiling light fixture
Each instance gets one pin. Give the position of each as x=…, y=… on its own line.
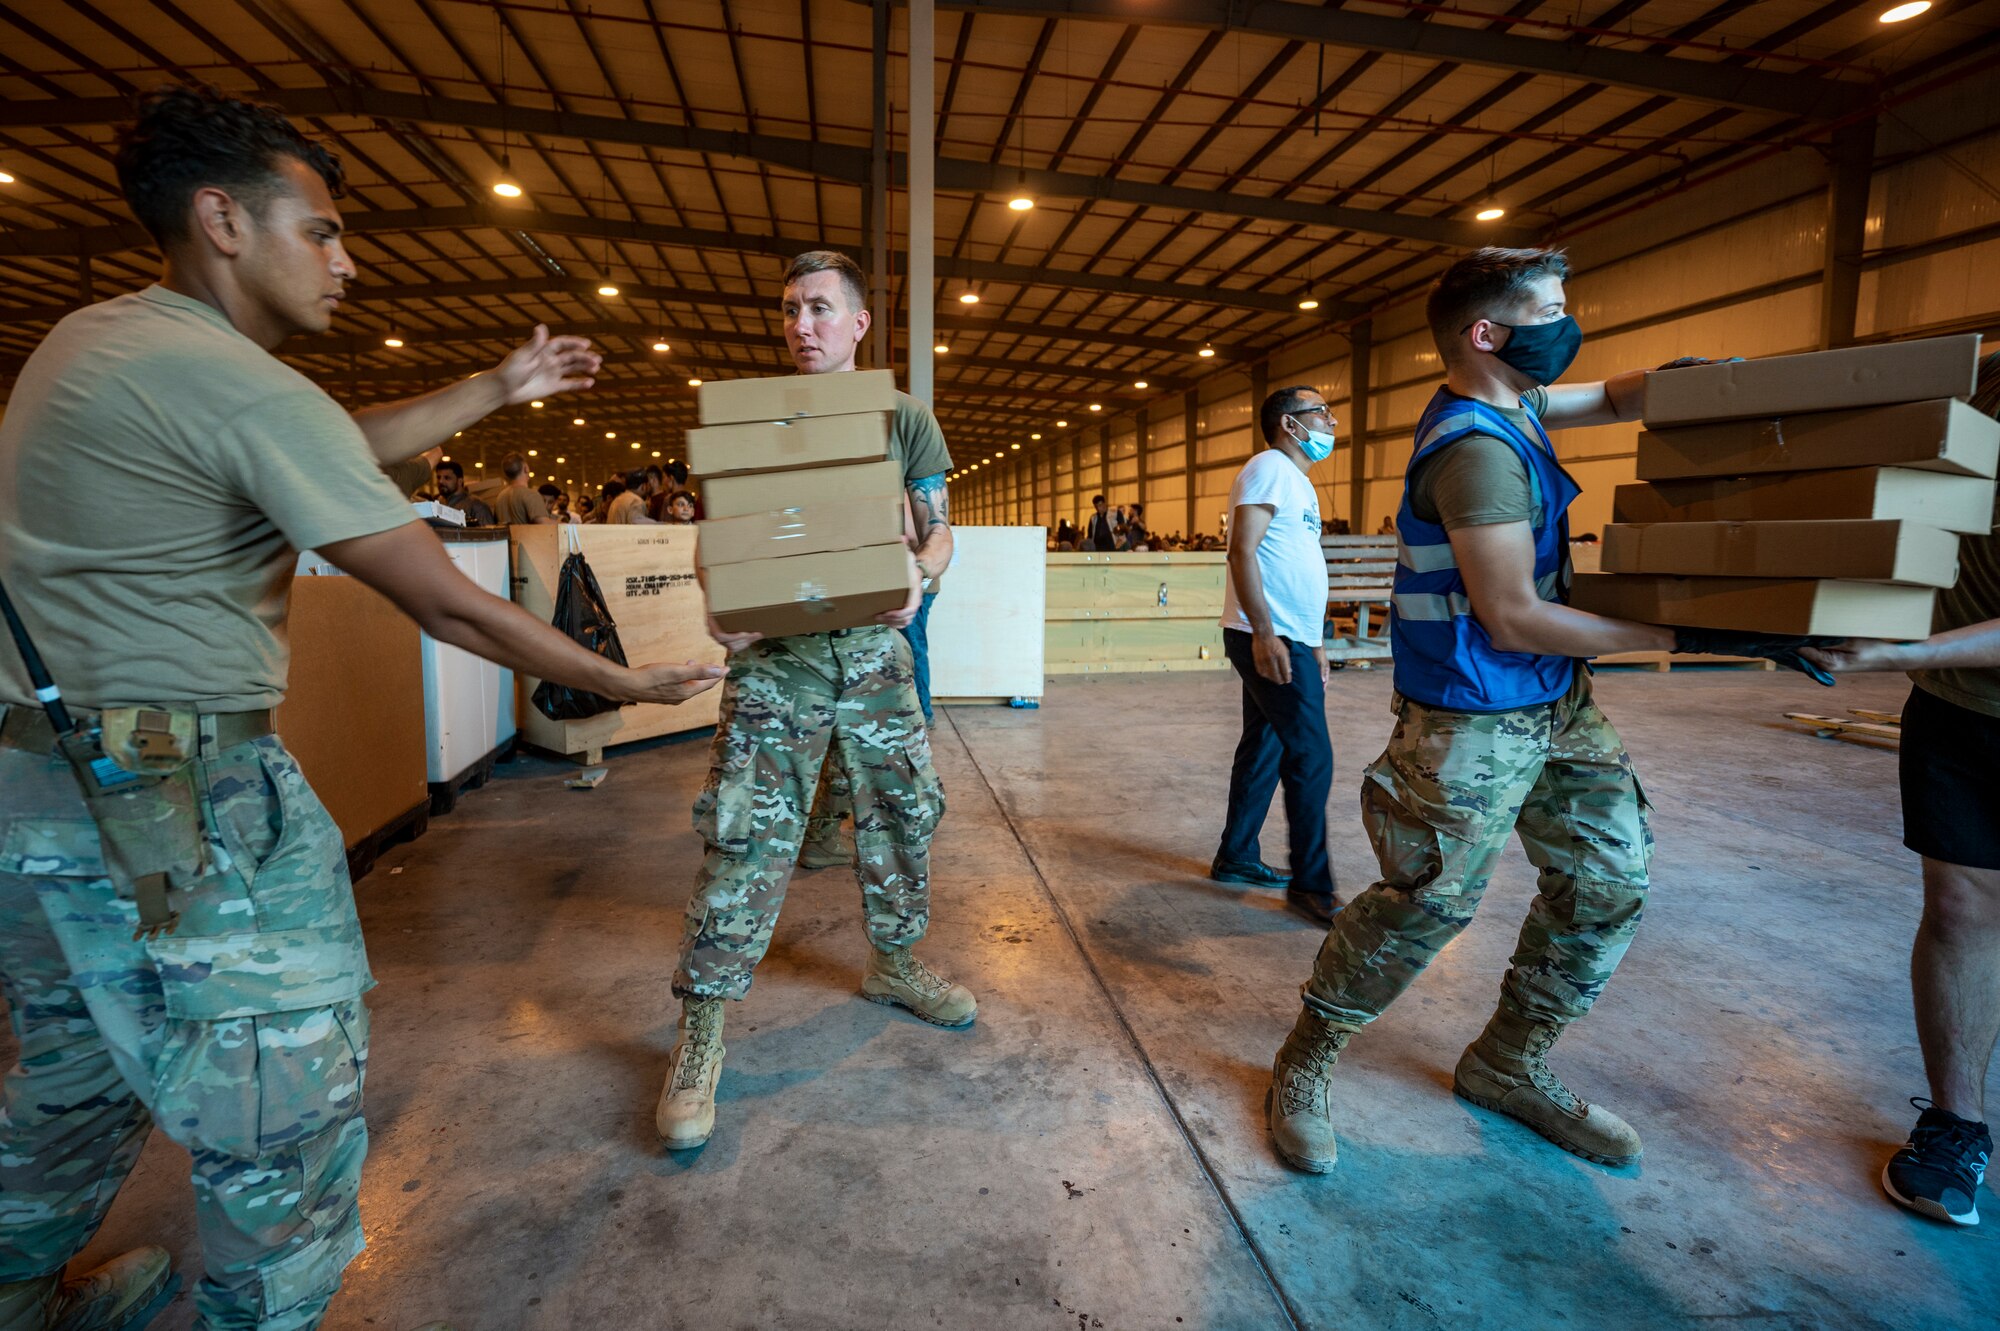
x=1015, y=447
x=5, y=178
x=577, y=421
x=1901, y=12
x=635, y=447
x=533, y=454
x=661, y=346
x=611, y=434
x=505, y=186
x=562, y=459
x=1308, y=304
x=1062, y=425
x=694, y=383
x=1140, y=383
x=1492, y=212
x=656, y=452
x=1020, y=203
x=968, y=298
x=392, y=341
x=1034, y=436
x=1206, y=351
x=536, y=404
x=1097, y=406
x=607, y=290
x=941, y=349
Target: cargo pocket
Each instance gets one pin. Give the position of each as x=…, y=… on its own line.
x=252, y=1087
x=919, y=804
x=52, y=848
x=724, y=811
x=1412, y=850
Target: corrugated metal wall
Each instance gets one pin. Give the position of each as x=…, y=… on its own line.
x=1732, y=268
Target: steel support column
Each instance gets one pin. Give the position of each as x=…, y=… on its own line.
x=1850, y=162
x=876, y=224
x=1190, y=417
x=1360, y=383
x=920, y=280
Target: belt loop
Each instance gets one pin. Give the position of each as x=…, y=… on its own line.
x=206, y=727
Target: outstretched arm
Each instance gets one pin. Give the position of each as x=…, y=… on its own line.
x=540, y=367
x=1497, y=562
x=1974, y=647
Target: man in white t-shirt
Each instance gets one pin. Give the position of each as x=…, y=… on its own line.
x=1273, y=617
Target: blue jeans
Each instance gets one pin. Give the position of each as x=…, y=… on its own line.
x=1284, y=737
x=918, y=634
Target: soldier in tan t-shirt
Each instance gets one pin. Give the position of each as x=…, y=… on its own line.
x=217, y=990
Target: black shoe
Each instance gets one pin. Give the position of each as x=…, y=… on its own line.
x=1251, y=873
x=1939, y=1172
x=1319, y=907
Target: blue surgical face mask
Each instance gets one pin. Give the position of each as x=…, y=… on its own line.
x=1541, y=351
x=1317, y=445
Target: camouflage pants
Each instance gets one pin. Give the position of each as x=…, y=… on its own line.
x=790, y=707
x=833, y=802
x=242, y=1034
x=1440, y=805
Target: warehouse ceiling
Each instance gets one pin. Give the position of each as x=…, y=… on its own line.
x=1198, y=170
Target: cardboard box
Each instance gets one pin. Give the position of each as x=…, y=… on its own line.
x=1906, y=552
x=1939, y=435
x=810, y=441
x=842, y=589
x=1954, y=503
x=810, y=530
x=1916, y=371
x=1761, y=605
x=770, y=492
x=785, y=397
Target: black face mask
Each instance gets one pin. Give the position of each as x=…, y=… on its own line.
x=1541, y=351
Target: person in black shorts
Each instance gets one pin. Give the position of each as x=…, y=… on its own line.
x=1950, y=769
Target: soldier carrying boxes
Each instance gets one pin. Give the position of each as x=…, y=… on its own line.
x=808, y=579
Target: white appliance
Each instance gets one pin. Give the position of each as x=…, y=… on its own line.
x=468, y=701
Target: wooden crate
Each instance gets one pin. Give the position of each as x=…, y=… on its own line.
x=353, y=714
x=1106, y=612
x=648, y=578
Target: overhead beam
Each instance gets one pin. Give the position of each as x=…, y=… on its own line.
x=829, y=161
x=1810, y=95
x=49, y=242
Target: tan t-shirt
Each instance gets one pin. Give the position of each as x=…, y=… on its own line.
x=516, y=504
x=1974, y=599
x=208, y=463
x=1480, y=481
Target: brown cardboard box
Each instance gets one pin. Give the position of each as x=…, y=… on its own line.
x=1939, y=435
x=809, y=441
x=1906, y=552
x=353, y=715
x=784, y=397
x=1954, y=503
x=768, y=492
x=1760, y=605
x=1815, y=381
x=813, y=529
x=841, y=589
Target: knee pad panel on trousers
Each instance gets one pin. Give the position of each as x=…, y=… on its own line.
x=303, y=1282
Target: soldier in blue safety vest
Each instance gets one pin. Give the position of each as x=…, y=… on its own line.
x=1496, y=732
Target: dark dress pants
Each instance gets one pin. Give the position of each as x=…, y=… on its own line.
x=1284, y=738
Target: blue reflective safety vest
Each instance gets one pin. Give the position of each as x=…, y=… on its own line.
x=1444, y=657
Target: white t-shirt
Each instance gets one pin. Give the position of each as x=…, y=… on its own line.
x=1290, y=558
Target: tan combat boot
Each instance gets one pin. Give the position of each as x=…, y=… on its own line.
x=897, y=977
x=829, y=850
x=1296, y=1107
x=125, y=1291
x=1503, y=1070
x=686, y=1115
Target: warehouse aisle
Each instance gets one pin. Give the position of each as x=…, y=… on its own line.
x=1092, y=1153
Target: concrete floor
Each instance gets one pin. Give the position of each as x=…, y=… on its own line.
x=1092, y=1154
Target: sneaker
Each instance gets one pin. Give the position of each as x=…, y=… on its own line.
x=124, y=1294
x=1319, y=907
x=1251, y=873
x=1938, y=1173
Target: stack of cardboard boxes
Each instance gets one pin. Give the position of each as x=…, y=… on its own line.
x=804, y=532
x=1815, y=494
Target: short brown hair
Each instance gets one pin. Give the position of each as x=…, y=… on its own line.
x=512, y=466
x=1483, y=283
x=832, y=261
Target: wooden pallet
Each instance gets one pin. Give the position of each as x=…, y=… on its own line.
x=406, y=826
x=1873, y=725
x=593, y=755
x=1666, y=661
x=444, y=794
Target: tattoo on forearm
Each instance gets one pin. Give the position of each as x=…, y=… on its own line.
x=931, y=503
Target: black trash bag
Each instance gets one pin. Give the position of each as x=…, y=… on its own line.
x=582, y=614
